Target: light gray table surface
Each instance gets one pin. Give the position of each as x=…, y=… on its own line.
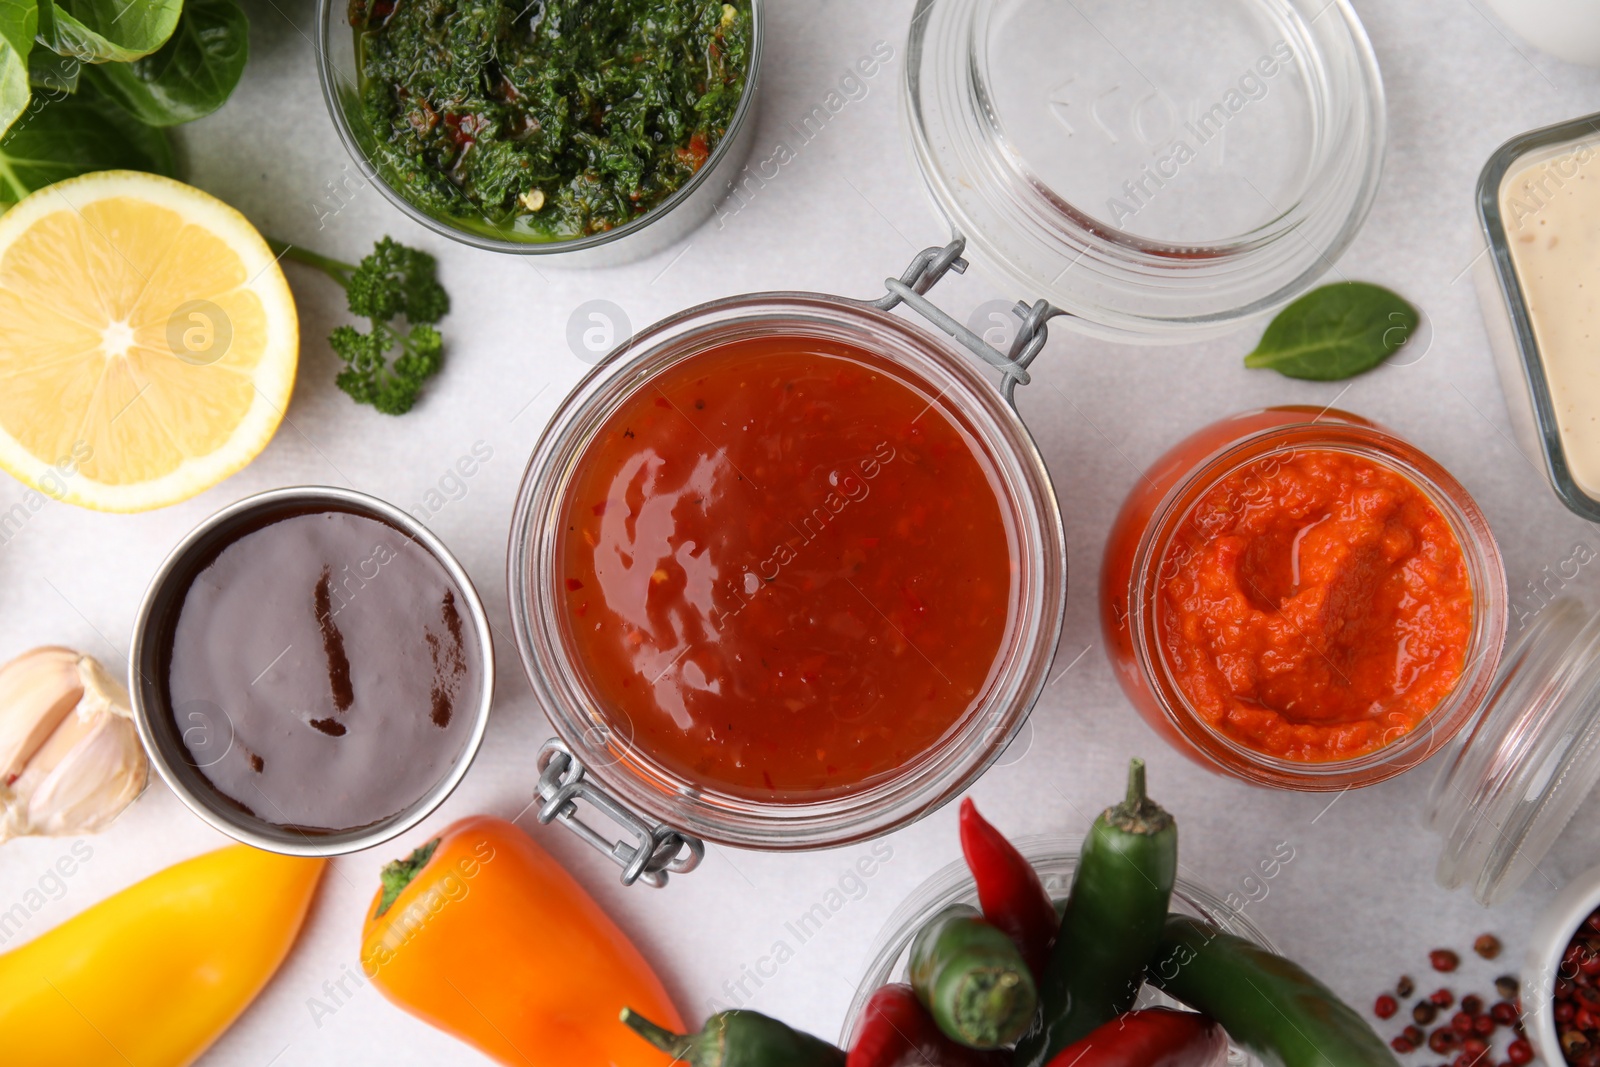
x=1357, y=904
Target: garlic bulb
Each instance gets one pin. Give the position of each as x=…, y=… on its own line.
x=70, y=758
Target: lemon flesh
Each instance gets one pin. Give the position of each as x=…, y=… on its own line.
x=148, y=341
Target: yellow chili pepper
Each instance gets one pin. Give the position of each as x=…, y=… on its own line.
x=152, y=976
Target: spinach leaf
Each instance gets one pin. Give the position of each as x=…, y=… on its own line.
x=53, y=73
x=1335, y=332
x=75, y=135
x=19, y=21
x=188, y=77
x=107, y=31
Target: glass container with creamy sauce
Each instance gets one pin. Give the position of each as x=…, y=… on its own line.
x=1539, y=210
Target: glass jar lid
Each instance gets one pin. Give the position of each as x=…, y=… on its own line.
x=1159, y=168
x=1511, y=782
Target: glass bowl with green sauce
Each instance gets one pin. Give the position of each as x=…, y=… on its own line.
x=595, y=133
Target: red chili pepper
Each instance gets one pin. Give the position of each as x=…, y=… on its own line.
x=897, y=1031
x=1149, y=1037
x=1009, y=890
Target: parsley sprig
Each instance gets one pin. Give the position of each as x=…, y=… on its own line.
x=395, y=282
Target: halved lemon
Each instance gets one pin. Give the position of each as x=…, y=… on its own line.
x=148, y=341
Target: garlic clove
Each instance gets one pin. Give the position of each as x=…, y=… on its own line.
x=88, y=768
x=37, y=690
x=102, y=772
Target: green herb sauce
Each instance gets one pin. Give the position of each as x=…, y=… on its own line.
x=543, y=120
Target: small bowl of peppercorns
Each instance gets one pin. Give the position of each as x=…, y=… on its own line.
x=1561, y=979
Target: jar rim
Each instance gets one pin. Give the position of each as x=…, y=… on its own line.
x=1510, y=784
x=1326, y=429
x=1116, y=283
x=971, y=745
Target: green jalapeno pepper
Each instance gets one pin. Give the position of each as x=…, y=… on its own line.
x=972, y=979
x=1268, y=1004
x=1112, y=922
x=738, y=1038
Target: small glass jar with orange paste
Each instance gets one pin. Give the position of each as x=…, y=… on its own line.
x=1301, y=599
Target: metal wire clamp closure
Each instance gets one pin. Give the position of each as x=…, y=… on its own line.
x=657, y=851
x=924, y=273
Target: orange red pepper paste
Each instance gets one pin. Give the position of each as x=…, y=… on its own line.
x=1314, y=607
x=787, y=571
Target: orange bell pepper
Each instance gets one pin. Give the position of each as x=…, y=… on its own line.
x=482, y=934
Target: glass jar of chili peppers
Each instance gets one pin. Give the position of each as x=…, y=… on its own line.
x=1301, y=599
x=1055, y=857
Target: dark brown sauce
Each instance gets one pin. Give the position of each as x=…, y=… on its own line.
x=332, y=648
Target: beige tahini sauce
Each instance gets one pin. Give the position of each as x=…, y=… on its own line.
x=1550, y=207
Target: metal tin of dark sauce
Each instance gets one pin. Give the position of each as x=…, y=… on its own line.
x=314, y=669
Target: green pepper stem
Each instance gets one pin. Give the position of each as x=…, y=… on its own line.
x=677, y=1046
x=1137, y=813
x=397, y=874
x=338, y=271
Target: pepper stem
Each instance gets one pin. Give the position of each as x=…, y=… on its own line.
x=678, y=1046
x=397, y=874
x=1138, y=814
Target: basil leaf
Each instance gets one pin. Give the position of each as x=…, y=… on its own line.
x=191, y=75
x=1335, y=332
x=19, y=21
x=75, y=135
x=107, y=31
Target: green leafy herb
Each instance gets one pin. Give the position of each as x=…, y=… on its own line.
x=19, y=21
x=74, y=135
x=394, y=282
x=107, y=31
x=1335, y=332
x=57, y=73
x=547, y=120
x=88, y=85
x=191, y=75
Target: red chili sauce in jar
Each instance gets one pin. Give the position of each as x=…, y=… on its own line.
x=1314, y=606
x=788, y=570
